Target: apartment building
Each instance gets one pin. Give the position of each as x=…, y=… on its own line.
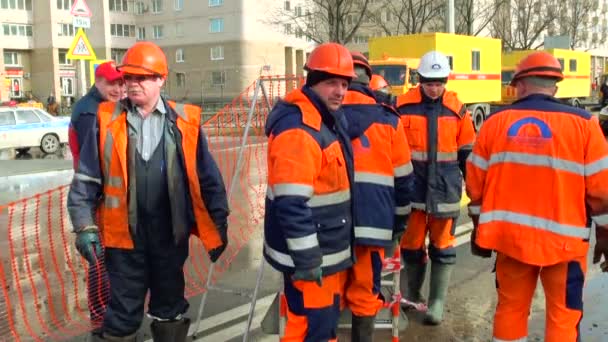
x=215, y=48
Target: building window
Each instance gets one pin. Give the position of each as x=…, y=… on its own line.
x=141, y=33
x=16, y=4
x=119, y=6
x=361, y=39
x=213, y=3
x=179, y=5
x=66, y=30
x=122, y=30
x=67, y=86
x=179, y=29
x=11, y=58
x=17, y=30
x=218, y=78
x=388, y=15
x=216, y=25
x=299, y=33
x=157, y=6
x=561, y=63
x=157, y=32
x=140, y=8
x=475, y=60
x=287, y=6
x=64, y=5
x=179, y=56
x=298, y=11
x=181, y=79
x=217, y=53
x=287, y=29
x=63, y=57
x=117, y=54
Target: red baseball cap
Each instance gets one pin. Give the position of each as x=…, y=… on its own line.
x=108, y=71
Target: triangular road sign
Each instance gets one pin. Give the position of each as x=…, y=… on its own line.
x=81, y=48
x=80, y=8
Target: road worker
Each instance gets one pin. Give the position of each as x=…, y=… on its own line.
x=147, y=159
x=538, y=171
x=308, y=221
x=108, y=86
x=440, y=134
x=383, y=172
x=382, y=90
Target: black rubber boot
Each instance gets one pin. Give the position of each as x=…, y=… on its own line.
x=362, y=329
x=171, y=331
x=415, y=278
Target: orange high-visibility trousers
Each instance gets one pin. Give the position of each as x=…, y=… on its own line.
x=563, y=285
x=363, y=286
x=441, y=231
x=313, y=311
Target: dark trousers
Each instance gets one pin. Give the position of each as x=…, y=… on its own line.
x=155, y=264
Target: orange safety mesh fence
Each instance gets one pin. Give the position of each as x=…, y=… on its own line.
x=44, y=280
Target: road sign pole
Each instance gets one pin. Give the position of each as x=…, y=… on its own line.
x=83, y=78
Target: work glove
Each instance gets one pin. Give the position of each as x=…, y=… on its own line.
x=88, y=244
x=601, y=248
x=475, y=249
x=314, y=274
x=215, y=253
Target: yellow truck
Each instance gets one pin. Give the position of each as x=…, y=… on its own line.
x=475, y=63
x=576, y=66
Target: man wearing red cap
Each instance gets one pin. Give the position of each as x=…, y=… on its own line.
x=108, y=87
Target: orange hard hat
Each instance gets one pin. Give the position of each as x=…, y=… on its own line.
x=331, y=58
x=377, y=82
x=144, y=58
x=361, y=60
x=539, y=64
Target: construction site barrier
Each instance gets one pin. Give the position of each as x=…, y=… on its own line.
x=44, y=280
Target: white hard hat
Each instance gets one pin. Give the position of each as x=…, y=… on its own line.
x=434, y=64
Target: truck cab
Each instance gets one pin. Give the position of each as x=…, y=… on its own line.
x=400, y=73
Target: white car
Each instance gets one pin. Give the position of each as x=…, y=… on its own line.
x=24, y=127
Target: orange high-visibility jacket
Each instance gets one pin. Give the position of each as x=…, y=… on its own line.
x=538, y=172
x=383, y=170
x=440, y=135
x=104, y=171
x=308, y=218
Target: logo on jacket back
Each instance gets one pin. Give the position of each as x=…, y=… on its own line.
x=530, y=131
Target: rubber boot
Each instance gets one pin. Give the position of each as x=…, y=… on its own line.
x=415, y=278
x=171, y=331
x=440, y=279
x=363, y=328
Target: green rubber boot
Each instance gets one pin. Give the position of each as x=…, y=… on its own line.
x=415, y=278
x=440, y=279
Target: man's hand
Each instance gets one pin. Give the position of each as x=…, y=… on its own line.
x=88, y=244
x=314, y=274
x=601, y=248
x=476, y=250
x=215, y=253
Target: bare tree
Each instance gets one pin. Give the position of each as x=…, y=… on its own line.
x=521, y=23
x=323, y=20
x=407, y=16
x=474, y=16
x=576, y=18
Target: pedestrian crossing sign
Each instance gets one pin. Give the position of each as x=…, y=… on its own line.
x=80, y=47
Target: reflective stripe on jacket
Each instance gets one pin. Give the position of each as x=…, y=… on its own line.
x=538, y=171
x=383, y=170
x=440, y=135
x=308, y=220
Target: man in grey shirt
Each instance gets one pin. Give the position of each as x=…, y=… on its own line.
x=148, y=163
